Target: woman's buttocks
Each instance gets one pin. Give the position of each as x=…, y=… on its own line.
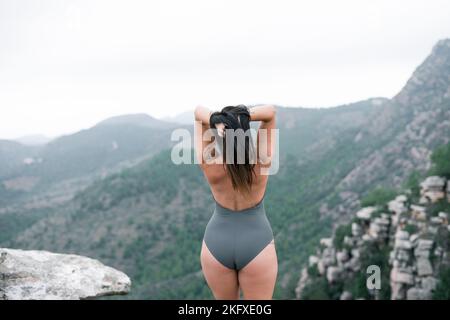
x=235, y=236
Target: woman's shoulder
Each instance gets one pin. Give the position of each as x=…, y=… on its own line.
x=213, y=170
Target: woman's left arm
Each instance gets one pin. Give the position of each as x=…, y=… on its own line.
x=201, y=125
x=202, y=114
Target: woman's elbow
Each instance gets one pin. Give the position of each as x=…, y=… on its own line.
x=272, y=111
x=197, y=112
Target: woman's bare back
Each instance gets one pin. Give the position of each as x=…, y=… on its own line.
x=223, y=192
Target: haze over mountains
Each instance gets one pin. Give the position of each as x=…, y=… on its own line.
x=33, y=140
x=111, y=192
x=184, y=118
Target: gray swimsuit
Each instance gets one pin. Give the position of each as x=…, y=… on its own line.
x=236, y=237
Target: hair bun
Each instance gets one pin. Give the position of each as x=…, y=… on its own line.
x=231, y=117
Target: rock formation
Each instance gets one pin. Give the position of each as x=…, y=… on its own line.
x=432, y=189
x=42, y=275
x=410, y=233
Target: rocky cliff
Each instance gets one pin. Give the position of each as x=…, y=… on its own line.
x=408, y=241
x=42, y=275
x=405, y=130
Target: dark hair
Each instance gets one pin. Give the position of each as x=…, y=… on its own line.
x=236, y=117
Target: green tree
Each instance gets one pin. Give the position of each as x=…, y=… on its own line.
x=413, y=184
x=441, y=161
x=378, y=197
x=442, y=291
x=341, y=232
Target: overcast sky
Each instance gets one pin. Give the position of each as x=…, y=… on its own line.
x=65, y=65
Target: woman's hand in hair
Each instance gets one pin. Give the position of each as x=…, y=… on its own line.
x=220, y=129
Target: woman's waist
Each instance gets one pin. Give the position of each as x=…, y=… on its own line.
x=229, y=221
x=255, y=209
x=252, y=211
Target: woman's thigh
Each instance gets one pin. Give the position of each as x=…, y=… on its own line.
x=222, y=281
x=257, y=279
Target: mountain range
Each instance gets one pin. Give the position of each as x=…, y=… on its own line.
x=111, y=192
